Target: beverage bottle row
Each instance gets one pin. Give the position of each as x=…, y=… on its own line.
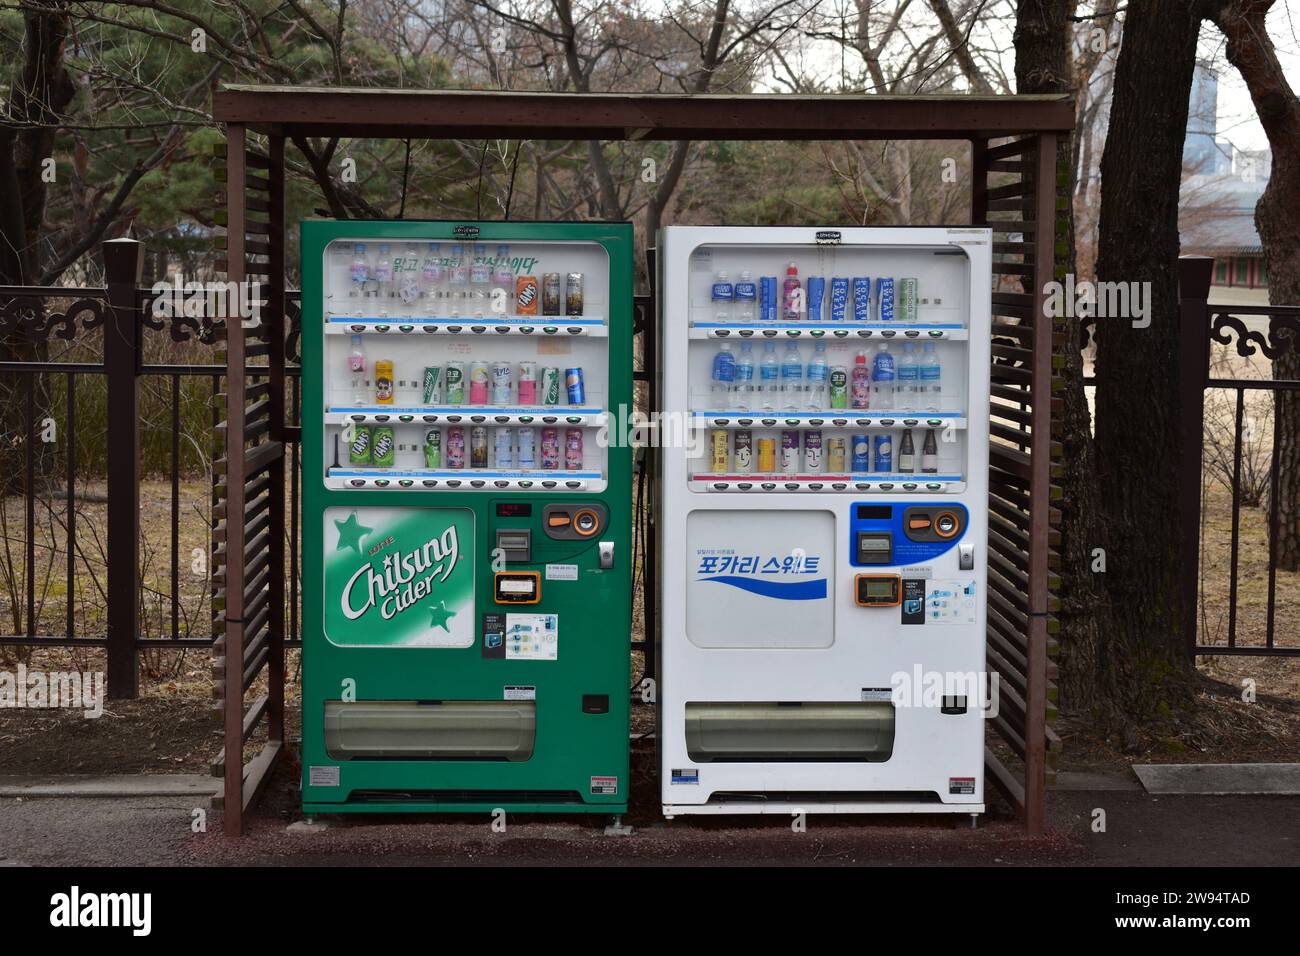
x=501, y=447
x=421, y=277
x=474, y=382
x=784, y=384
x=745, y=300
x=808, y=452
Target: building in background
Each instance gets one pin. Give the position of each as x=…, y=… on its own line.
x=1221, y=185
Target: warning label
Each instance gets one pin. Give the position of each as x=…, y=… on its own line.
x=605, y=786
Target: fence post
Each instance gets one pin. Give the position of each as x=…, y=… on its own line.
x=1194, y=274
x=123, y=263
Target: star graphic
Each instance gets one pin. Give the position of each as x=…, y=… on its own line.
x=439, y=616
x=351, y=532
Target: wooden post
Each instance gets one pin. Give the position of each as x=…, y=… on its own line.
x=233, y=698
x=1194, y=275
x=1040, y=465
x=123, y=265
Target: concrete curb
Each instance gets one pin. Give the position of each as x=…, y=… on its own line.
x=111, y=785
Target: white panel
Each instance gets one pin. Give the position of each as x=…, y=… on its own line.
x=760, y=579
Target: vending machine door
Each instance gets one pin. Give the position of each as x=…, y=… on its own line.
x=466, y=532
x=823, y=518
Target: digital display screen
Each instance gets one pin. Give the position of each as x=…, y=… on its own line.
x=878, y=512
x=514, y=509
x=880, y=588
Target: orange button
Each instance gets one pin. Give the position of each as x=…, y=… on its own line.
x=557, y=520
x=918, y=524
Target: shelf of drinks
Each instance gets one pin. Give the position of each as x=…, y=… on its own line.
x=875, y=331
x=885, y=483
x=464, y=479
x=834, y=419
x=583, y=416
x=555, y=326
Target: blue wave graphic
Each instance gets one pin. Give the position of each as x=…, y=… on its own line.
x=781, y=590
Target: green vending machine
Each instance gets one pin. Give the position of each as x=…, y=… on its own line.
x=467, y=565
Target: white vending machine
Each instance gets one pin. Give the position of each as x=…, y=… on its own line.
x=823, y=518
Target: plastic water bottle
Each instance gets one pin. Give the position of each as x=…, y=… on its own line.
x=433, y=277
x=480, y=280
x=359, y=273
x=723, y=295
x=384, y=278
x=746, y=294
x=744, y=393
x=792, y=378
x=882, y=378
x=930, y=378
x=906, y=393
x=503, y=283
x=791, y=294
x=457, y=281
x=860, y=383
x=817, y=379
x=769, y=378
x=724, y=376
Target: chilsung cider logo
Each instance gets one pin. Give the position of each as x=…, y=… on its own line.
x=402, y=578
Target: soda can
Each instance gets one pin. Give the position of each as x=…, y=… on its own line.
x=861, y=299
x=885, y=293
x=550, y=386
x=719, y=452
x=478, y=383
x=454, y=378
x=359, y=451
x=573, y=455
x=835, y=455
x=861, y=453
x=812, y=452
x=839, y=379
x=551, y=293
x=384, y=381
x=503, y=376
x=384, y=446
x=767, y=455
x=526, y=458
x=573, y=293
x=527, y=383
x=574, y=386
x=433, y=448
x=503, y=453
x=744, y=451
x=907, y=292
x=526, y=295
x=455, y=448
x=478, y=447
x=550, y=448
x=790, y=451
x=816, y=293
x=432, y=384
x=839, y=299
x=884, y=453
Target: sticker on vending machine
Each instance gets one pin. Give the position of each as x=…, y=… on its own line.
x=604, y=786
x=322, y=776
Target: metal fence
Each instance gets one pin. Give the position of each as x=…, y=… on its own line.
x=53, y=341
x=1242, y=413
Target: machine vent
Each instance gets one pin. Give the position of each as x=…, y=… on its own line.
x=822, y=797
x=459, y=797
x=784, y=732
x=438, y=730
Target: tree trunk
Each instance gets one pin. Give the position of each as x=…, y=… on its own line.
x=1143, y=663
x=1043, y=38
x=1277, y=217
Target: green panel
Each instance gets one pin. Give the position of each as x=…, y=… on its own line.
x=413, y=629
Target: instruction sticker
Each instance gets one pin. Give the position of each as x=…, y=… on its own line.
x=532, y=637
x=561, y=572
x=322, y=776
x=519, y=692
